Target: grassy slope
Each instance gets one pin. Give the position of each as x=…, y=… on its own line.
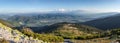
x=5, y=23
x=69, y=30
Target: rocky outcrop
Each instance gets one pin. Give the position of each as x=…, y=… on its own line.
x=14, y=36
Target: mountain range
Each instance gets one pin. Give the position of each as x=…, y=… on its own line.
x=110, y=22
x=42, y=19
x=62, y=25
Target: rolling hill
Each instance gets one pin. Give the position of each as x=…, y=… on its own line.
x=111, y=22
x=5, y=22
x=66, y=25
x=48, y=18
x=68, y=30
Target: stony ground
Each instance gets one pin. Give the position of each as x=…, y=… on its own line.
x=98, y=40
x=15, y=36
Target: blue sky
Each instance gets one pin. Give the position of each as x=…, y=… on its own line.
x=45, y=5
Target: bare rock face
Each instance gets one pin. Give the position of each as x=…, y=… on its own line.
x=14, y=36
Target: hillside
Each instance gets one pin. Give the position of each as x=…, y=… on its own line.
x=105, y=23
x=114, y=33
x=45, y=19
x=14, y=36
x=65, y=25
x=42, y=19
x=68, y=30
x=5, y=22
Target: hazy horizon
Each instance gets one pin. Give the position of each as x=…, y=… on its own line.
x=62, y=5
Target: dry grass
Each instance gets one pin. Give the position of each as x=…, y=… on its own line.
x=98, y=40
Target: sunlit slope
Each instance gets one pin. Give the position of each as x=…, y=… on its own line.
x=15, y=36
x=6, y=23
x=69, y=30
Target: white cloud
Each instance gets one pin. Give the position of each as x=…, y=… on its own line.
x=62, y=9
